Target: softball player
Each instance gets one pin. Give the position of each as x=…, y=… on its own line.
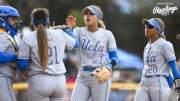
x=159, y=57
x=41, y=53
x=8, y=50
x=95, y=44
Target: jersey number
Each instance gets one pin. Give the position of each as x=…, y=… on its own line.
x=152, y=69
x=51, y=50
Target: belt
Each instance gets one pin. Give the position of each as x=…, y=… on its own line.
x=90, y=69
x=152, y=76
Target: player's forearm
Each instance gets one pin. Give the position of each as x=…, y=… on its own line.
x=22, y=64
x=5, y=58
x=174, y=68
x=170, y=81
x=113, y=58
x=70, y=33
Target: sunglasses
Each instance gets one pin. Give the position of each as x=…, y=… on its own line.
x=149, y=26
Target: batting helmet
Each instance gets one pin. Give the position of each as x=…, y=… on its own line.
x=5, y=12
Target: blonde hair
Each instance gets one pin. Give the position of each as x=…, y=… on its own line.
x=162, y=25
x=41, y=14
x=100, y=22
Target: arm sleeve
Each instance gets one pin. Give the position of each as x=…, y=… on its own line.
x=111, y=45
x=22, y=64
x=5, y=58
x=170, y=81
x=24, y=49
x=113, y=59
x=70, y=33
x=174, y=68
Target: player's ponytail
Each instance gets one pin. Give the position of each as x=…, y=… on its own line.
x=162, y=25
x=42, y=46
x=162, y=35
x=40, y=16
x=101, y=24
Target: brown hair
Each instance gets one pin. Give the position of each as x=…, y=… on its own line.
x=40, y=15
x=162, y=25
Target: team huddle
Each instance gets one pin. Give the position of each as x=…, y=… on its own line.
x=40, y=58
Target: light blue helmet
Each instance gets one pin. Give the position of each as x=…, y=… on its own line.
x=5, y=12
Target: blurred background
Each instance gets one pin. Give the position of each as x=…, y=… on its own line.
x=123, y=18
